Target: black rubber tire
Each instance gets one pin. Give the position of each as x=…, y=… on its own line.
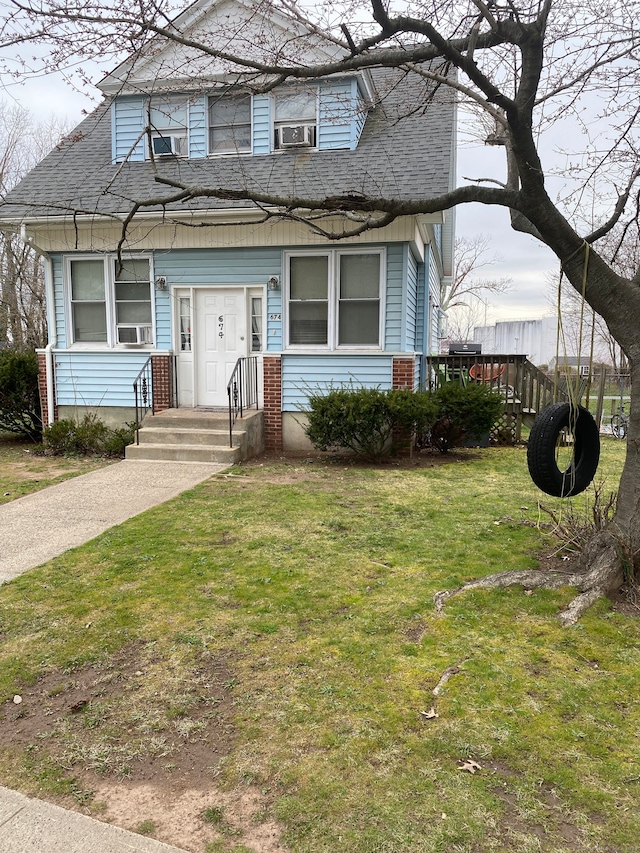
x=541, y=451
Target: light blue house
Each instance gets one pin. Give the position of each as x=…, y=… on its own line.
x=164, y=245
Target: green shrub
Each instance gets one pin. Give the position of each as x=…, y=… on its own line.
x=88, y=436
x=19, y=397
x=368, y=421
x=464, y=412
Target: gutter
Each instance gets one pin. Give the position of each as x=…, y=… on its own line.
x=51, y=320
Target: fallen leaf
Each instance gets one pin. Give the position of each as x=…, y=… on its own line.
x=470, y=766
x=430, y=714
x=528, y=592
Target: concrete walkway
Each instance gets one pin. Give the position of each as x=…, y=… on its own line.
x=31, y=826
x=42, y=525
x=34, y=529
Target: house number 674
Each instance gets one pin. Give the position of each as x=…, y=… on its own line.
x=221, y=326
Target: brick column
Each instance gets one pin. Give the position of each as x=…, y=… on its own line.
x=272, y=368
x=42, y=389
x=162, y=382
x=404, y=373
x=403, y=377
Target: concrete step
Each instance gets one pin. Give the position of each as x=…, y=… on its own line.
x=184, y=453
x=191, y=435
x=188, y=419
x=176, y=434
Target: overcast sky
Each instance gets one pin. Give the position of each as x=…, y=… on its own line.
x=524, y=259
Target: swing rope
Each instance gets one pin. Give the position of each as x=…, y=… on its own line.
x=573, y=388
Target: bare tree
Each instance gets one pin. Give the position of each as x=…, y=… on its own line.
x=22, y=301
x=524, y=70
x=463, y=319
x=471, y=256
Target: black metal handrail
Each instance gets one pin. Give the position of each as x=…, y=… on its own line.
x=242, y=390
x=143, y=391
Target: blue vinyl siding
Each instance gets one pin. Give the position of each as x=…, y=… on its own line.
x=336, y=113
x=163, y=319
x=302, y=374
x=422, y=306
x=220, y=268
x=91, y=379
x=341, y=117
x=394, y=308
x=59, y=308
x=434, y=320
x=197, y=127
x=127, y=123
x=411, y=301
x=223, y=267
x=261, y=124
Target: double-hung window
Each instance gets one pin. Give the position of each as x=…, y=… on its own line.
x=230, y=124
x=334, y=299
x=110, y=301
x=132, y=296
x=88, y=301
x=295, y=118
x=168, y=123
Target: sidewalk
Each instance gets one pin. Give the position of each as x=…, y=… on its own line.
x=37, y=528
x=32, y=826
x=42, y=525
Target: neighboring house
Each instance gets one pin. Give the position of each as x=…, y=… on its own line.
x=209, y=280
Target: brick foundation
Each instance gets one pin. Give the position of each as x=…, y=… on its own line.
x=272, y=367
x=42, y=389
x=162, y=382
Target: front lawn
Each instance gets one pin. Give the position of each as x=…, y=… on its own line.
x=257, y=666
x=25, y=469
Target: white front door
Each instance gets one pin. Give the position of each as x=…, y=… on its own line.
x=220, y=340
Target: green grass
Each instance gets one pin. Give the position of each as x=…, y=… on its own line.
x=24, y=468
x=315, y=583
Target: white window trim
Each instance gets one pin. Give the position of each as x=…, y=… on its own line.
x=236, y=153
x=108, y=262
x=333, y=266
x=274, y=124
x=177, y=130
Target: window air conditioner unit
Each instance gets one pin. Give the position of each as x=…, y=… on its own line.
x=293, y=135
x=170, y=145
x=135, y=336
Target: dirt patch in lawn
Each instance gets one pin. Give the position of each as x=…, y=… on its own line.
x=151, y=771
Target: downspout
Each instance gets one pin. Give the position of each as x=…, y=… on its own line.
x=51, y=319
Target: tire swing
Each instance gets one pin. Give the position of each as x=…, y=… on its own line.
x=550, y=424
x=559, y=419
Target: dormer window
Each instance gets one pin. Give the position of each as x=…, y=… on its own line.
x=295, y=119
x=168, y=126
x=230, y=124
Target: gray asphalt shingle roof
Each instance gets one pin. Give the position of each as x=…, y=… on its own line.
x=405, y=152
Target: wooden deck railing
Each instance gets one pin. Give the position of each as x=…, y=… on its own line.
x=525, y=389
